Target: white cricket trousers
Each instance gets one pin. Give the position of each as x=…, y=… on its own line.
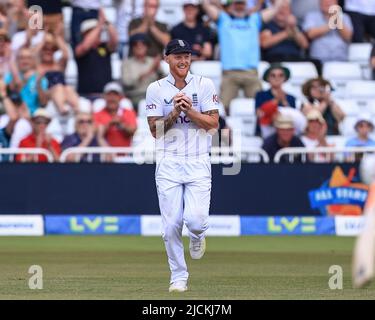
x=184, y=191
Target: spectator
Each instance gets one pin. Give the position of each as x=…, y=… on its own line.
x=372, y=62
x=268, y=101
x=315, y=136
x=17, y=14
x=85, y=135
x=5, y=53
x=28, y=38
x=364, y=127
x=39, y=139
x=31, y=86
x=327, y=44
x=82, y=10
x=52, y=15
x=54, y=72
x=239, y=44
x=156, y=31
x=281, y=39
x=4, y=21
x=139, y=70
x=193, y=31
x=255, y=5
x=126, y=12
x=362, y=13
x=95, y=54
x=318, y=94
x=116, y=126
x=301, y=8
x=283, y=138
x=8, y=110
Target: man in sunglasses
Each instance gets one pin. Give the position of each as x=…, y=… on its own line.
x=85, y=135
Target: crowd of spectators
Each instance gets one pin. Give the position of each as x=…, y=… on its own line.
x=238, y=33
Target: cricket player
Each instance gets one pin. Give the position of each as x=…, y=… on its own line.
x=182, y=113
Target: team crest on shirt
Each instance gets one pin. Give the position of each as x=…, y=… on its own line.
x=195, y=99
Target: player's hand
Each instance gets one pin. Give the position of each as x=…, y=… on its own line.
x=177, y=101
x=185, y=103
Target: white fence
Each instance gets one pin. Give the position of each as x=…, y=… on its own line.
x=12, y=152
x=141, y=155
x=322, y=154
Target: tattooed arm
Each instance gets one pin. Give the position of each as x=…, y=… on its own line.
x=206, y=120
x=160, y=125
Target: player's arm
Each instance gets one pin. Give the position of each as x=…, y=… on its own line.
x=207, y=120
x=159, y=126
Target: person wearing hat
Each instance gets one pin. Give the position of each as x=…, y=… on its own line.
x=315, y=135
x=61, y=94
x=283, y=138
x=193, y=31
x=268, y=101
x=39, y=139
x=116, y=125
x=363, y=126
x=93, y=53
x=139, y=70
x=182, y=113
x=238, y=34
x=157, y=32
x=318, y=95
x=281, y=38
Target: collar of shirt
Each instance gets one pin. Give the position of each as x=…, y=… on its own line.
x=172, y=80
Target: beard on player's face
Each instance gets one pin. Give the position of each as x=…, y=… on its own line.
x=179, y=64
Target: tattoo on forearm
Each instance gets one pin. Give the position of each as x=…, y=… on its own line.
x=161, y=125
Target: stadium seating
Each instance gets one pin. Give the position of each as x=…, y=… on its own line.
x=360, y=52
x=336, y=70
x=210, y=69
x=243, y=117
x=301, y=71
x=170, y=13
x=262, y=67
x=360, y=89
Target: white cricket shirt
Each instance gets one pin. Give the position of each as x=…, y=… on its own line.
x=184, y=138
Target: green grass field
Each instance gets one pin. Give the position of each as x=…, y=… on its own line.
x=136, y=268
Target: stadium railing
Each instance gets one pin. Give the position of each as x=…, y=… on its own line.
x=141, y=155
x=12, y=152
x=322, y=154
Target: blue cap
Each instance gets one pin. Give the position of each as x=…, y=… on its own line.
x=178, y=46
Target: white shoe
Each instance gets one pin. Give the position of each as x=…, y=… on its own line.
x=178, y=286
x=197, y=248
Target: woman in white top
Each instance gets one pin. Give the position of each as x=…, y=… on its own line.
x=315, y=136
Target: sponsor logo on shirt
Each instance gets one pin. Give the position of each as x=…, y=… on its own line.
x=168, y=102
x=150, y=106
x=183, y=120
